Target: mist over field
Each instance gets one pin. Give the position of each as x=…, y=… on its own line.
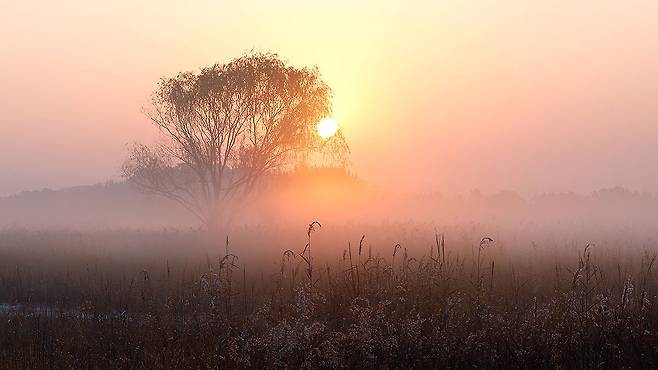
x=348, y=209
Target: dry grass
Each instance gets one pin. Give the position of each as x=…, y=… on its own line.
x=80, y=301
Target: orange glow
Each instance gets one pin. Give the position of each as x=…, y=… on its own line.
x=432, y=79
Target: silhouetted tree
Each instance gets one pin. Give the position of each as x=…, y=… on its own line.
x=227, y=126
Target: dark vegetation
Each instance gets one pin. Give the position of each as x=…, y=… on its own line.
x=170, y=299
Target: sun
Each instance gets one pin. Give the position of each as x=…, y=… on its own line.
x=327, y=128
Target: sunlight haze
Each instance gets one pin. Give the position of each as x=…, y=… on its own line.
x=531, y=96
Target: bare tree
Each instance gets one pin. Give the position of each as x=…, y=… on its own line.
x=227, y=126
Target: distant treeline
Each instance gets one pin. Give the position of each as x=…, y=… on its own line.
x=314, y=193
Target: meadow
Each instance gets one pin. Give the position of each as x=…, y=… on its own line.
x=323, y=297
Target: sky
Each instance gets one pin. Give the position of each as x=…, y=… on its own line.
x=434, y=96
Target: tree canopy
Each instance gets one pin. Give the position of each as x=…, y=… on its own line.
x=226, y=126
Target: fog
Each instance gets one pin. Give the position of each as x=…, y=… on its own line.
x=276, y=217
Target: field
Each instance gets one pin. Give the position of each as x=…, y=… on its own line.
x=174, y=299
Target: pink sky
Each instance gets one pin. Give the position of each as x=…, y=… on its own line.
x=530, y=96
